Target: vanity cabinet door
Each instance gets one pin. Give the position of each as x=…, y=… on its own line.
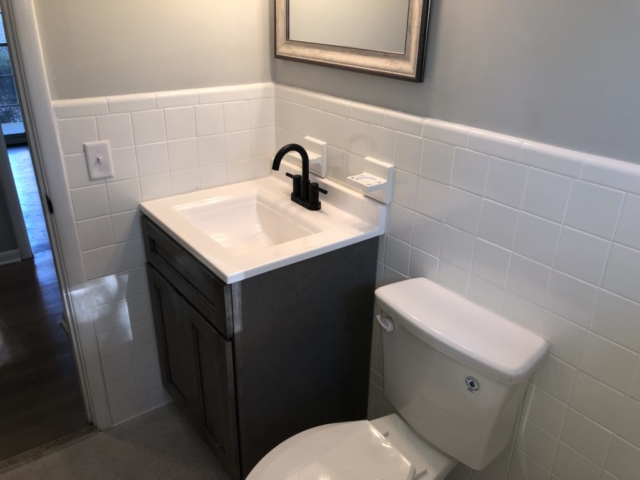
x=214, y=381
x=173, y=343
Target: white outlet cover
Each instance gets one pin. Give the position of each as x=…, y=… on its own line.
x=99, y=162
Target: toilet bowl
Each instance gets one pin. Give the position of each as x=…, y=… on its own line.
x=456, y=374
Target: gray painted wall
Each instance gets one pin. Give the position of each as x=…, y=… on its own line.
x=563, y=72
x=96, y=47
x=7, y=237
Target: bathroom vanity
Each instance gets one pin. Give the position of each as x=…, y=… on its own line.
x=268, y=334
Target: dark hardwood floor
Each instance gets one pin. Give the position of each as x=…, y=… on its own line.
x=40, y=398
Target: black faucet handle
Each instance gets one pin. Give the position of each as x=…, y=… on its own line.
x=297, y=183
x=322, y=190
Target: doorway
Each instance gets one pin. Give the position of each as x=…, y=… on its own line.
x=40, y=394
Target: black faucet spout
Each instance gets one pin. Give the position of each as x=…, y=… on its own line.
x=293, y=147
x=304, y=193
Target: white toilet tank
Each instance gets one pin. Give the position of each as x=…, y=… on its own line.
x=454, y=371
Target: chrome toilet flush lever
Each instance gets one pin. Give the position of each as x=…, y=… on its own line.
x=305, y=192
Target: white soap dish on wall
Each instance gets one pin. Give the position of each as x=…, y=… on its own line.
x=317, y=151
x=376, y=181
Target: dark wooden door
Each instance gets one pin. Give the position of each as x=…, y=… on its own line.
x=212, y=355
x=173, y=342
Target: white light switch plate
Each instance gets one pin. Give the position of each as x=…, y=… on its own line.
x=99, y=163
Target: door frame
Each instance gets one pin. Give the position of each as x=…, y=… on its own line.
x=48, y=160
x=13, y=203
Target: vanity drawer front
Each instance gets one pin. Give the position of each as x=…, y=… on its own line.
x=207, y=292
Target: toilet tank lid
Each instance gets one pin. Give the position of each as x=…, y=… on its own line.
x=462, y=330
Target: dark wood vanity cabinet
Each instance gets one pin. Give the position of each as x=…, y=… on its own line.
x=258, y=361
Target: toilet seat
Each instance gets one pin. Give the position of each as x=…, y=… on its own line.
x=340, y=451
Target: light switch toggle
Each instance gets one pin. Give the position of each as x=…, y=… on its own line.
x=99, y=163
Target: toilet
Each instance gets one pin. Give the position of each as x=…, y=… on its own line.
x=456, y=375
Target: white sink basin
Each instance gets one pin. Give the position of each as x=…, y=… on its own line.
x=246, y=222
x=249, y=228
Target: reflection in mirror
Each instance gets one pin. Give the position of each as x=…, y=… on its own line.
x=378, y=25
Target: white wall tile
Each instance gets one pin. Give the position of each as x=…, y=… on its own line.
x=354, y=164
x=77, y=173
x=262, y=113
x=89, y=202
x=74, y=132
x=498, y=224
x=453, y=278
x=121, y=390
x=403, y=123
x=608, y=362
x=366, y=113
x=537, y=238
x=494, y=144
x=469, y=170
x=553, y=159
x=505, y=182
x=263, y=141
x=180, y=123
x=457, y=248
x=83, y=107
x=179, y=98
x=123, y=196
x=463, y=210
x=400, y=222
x=576, y=247
x=155, y=186
x=184, y=181
x=212, y=150
x=132, y=103
x=145, y=356
x=238, y=146
x=99, y=262
x=491, y=263
x=213, y=176
x=221, y=94
x=117, y=129
x=594, y=209
x=544, y=410
x=597, y=401
x=611, y=173
x=142, y=332
x=131, y=408
x=125, y=166
x=95, y=233
x=547, y=194
x=408, y=152
x=237, y=116
x=450, y=133
x=571, y=298
x=555, y=377
x=183, y=154
x=427, y=234
x=570, y=464
x=209, y=119
x=586, y=437
x=148, y=127
x=114, y=342
x=523, y=467
x=437, y=161
x=118, y=366
x=148, y=379
x=358, y=137
x=126, y=226
x=629, y=422
x=397, y=255
x=536, y=442
x=381, y=144
x=617, y=319
x=623, y=460
x=153, y=159
x=528, y=279
x=423, y=265
x=566, y=339
x=485, y=294
x=431, y=197
x=622, y=275
x=628, y=232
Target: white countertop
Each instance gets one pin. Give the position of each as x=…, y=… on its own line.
x=346, y=218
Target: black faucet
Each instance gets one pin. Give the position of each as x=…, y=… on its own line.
x=304, y=193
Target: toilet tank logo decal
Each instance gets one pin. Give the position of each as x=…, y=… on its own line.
x=472, y=384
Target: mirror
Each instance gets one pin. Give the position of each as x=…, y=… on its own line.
x=382, y=37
